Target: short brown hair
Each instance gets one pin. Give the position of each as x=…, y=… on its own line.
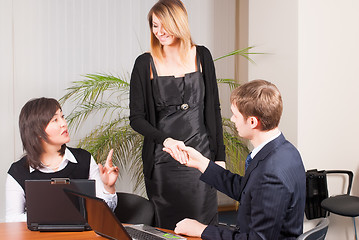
x=34, y=117
x=174, y=18
x=260, y=99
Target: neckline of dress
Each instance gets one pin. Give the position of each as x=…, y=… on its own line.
x=173, y=76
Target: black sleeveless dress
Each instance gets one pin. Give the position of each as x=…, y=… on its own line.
x=175, y=189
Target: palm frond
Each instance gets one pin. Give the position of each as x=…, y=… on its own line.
x=242, y=52
x=81, y=113
x=127, y=145
x=230, y=82
x=93, y=87
x=236, y=147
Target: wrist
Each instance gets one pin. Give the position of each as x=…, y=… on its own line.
x=203, y=164
x=110, y=189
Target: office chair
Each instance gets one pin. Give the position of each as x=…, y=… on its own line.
x=318, y=232
x=134, y=209
x=345, y=204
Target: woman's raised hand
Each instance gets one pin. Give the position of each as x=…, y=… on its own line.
x=109, y=173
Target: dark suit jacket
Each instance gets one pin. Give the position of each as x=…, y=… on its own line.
x=271, y=194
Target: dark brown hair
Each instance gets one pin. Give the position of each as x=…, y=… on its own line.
x=260, y=99
x=34, y=117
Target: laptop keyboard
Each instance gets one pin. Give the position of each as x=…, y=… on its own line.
x=138, y=234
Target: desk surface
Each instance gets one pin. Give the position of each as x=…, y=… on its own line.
x=19, y=231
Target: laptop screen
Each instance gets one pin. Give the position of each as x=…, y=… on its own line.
x=100, y=217
x=49, y=208
x=104, y=222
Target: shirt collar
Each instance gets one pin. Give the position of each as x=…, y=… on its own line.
x=68, y=157
x=257, y=149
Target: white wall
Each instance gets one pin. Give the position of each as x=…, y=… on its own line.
x=328, y=92
x=314, y=62
x=7, y=146
x=273, y=31
x=46, y=45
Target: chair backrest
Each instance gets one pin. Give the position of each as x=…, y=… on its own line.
x=318, y=232
x=134, y=209
x=350, y=177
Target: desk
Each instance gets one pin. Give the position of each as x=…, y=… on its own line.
x=19, y=231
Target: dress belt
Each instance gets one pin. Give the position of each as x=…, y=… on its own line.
x=183, y=107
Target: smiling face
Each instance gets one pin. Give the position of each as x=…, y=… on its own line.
x=56, y=130
x=160, y=32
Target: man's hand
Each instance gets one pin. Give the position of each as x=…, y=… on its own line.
x=190, y=227
x=109, y=173
x=195, y=158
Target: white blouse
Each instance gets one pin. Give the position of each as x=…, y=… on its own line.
x=15, y=195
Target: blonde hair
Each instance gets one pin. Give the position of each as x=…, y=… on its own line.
x=173, y=16
x=260, y=99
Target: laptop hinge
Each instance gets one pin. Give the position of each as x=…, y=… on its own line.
x=61, y=228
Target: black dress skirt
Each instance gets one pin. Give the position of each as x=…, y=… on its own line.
x=175, y=190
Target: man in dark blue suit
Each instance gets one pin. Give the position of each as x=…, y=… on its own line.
x=271, y=194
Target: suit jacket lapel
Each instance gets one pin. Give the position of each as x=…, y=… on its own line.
x=260, y=156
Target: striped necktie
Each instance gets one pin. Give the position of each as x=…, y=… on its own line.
x=248, y=160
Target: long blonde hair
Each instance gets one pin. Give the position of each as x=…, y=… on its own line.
x=173, y=16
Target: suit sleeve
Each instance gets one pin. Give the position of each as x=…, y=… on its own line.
x=219, y=233
x=269, y=200
x=223, y=180
x=139, y=101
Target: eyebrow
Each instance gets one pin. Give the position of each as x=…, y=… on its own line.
x=57, y=113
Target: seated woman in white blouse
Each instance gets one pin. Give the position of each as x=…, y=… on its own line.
x=44, y=135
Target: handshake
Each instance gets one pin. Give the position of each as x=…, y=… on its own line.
x=186, y=155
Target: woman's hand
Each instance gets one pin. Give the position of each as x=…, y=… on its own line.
x=194, y=158
x=190, y=227
x=174, y=148
x=109, y=173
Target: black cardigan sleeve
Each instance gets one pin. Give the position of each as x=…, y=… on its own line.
x=142, y=111
x=213, y=110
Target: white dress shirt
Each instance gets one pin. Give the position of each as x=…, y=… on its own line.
x=258, y=148
x=15, y=195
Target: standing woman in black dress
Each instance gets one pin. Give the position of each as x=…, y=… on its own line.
x=174, y=101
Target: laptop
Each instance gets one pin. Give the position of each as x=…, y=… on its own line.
x=105, y=223
x=49, y=208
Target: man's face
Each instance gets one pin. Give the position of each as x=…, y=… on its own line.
x=243, y=126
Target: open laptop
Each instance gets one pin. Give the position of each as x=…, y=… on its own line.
x=49, y=208
x=105, y=223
